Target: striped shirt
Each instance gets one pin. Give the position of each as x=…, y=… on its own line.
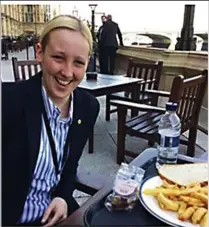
x=44, y=177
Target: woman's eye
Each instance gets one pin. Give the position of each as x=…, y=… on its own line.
x=57, y=57
x=80, y=62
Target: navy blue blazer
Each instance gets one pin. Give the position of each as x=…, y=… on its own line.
x=109, y=34
x=21, y=129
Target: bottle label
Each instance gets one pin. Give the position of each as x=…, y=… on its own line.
x=166, y=141
x=126, y=187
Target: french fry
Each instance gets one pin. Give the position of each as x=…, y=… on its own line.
x=187, y=214
x=204, y=221
x=190, y=190
x=182, y=208
x=198, y=214
x=174, y=198
x=168, y=204
x=166, y=184
x=155, y=191
x=192, y=201
x=161, y=205
x=200, y=196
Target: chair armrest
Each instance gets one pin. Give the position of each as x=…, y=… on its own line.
x=142, y=107
x=157, y=93
x=89, y=183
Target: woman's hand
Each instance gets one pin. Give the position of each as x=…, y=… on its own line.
x=55, y=212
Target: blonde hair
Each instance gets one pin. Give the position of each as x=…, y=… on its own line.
x=70, y=22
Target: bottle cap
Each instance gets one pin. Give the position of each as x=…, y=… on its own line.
x=171, y=106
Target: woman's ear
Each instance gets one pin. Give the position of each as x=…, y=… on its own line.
x=39, y=52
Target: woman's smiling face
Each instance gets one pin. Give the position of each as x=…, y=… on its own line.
x=64, y=61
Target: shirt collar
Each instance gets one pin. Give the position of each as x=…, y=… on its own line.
x=52, y=110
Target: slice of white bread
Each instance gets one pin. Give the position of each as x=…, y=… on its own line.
x=185, y=174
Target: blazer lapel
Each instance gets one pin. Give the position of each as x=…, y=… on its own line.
x=33, y=111
x=77, y=125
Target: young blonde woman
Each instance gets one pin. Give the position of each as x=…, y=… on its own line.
x=46, y=121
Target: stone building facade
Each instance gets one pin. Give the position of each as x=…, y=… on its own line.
x=17, y=20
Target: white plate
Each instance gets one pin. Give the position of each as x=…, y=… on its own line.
x=151, y=205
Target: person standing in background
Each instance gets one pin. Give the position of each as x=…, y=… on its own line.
x=109, y=40
x=100, y=44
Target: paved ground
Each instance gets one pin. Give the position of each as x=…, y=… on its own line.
x=103, y=160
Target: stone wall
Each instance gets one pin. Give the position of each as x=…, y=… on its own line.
x=186, y=63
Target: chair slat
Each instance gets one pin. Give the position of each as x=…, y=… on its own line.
x=36, y=68
x=23, y=69
x=189, y=100
x=23, y=72
x=153, y=128
x=138, y=119
x=144, y=76
x=182, y=105
x=29, y=71
x=142, y=126
x=152, y=79
x=134, y=72
x=195, y=99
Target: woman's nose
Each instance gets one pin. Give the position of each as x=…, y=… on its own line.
x=67, y=70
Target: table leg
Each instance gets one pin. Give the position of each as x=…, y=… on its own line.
x=134, y=96
x=91, y=141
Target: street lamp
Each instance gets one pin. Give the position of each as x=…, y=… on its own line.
x=75, y=12
x=186, y=41
x=93, y=7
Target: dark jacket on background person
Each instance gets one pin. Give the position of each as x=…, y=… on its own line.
x=110, y=45
x=100, y=48
x=99, y=36
x=21, y=130
x=109, y=33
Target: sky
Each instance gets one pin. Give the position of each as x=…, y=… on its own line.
x=134, y=16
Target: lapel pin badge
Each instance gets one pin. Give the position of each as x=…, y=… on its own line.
x=79, y=121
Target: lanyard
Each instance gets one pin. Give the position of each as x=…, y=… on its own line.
x=52, y=144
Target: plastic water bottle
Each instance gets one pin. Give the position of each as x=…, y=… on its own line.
x=169, y=130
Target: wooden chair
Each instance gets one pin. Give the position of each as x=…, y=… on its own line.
x=88, y=183
x=150, y=73
x=24, y=69
x=188, y=93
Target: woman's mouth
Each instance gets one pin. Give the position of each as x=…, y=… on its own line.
x=63, y=82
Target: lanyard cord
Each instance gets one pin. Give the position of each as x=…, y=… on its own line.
x=52, y=144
